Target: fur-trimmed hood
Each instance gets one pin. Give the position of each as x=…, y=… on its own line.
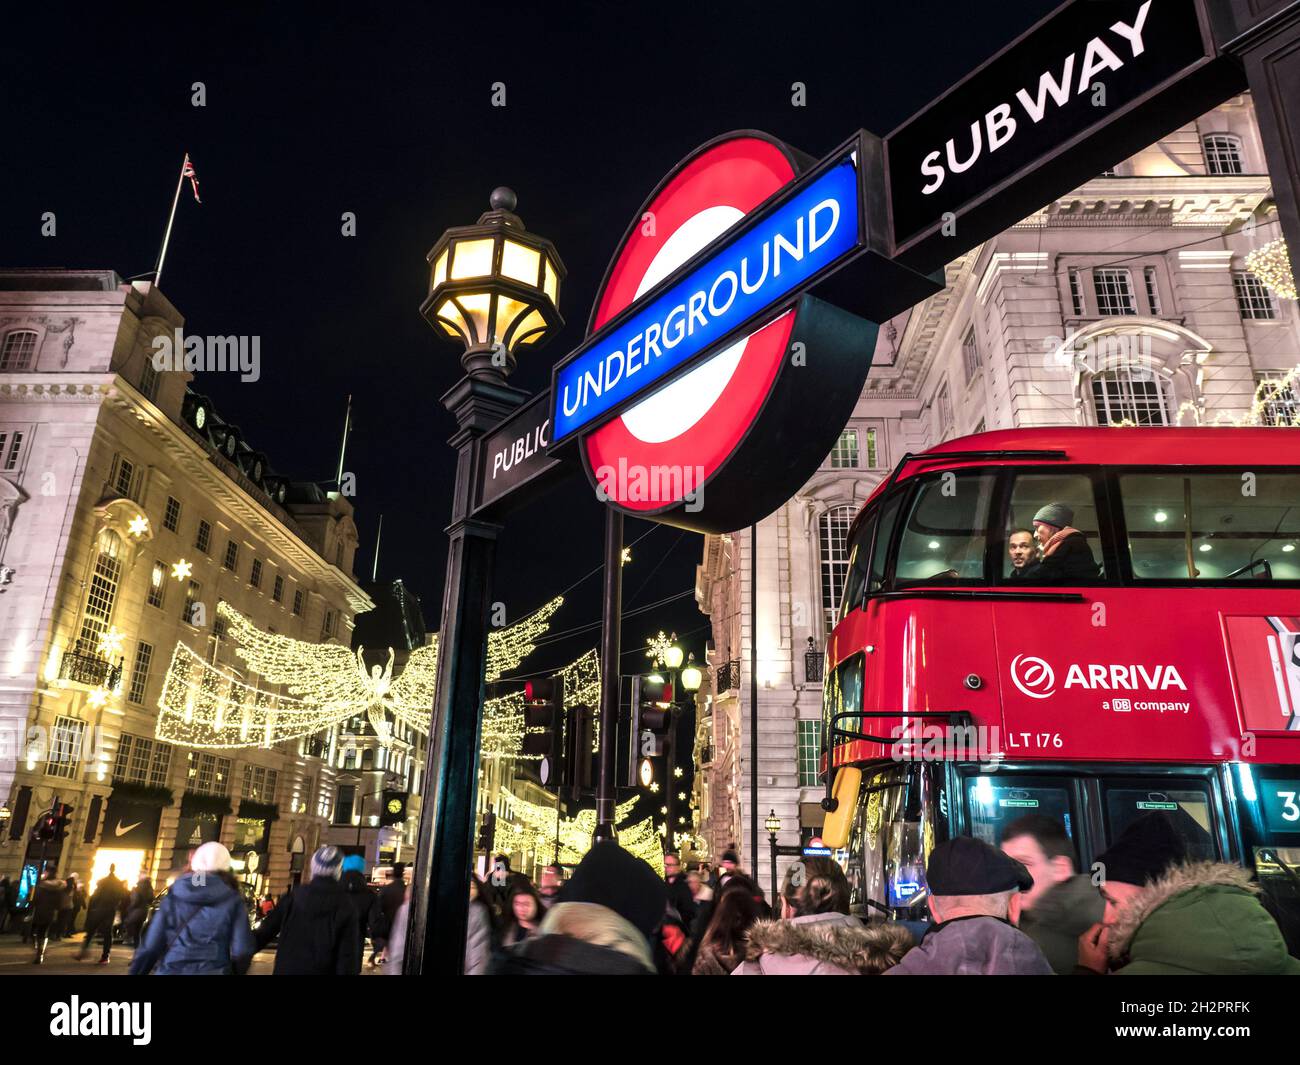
x=1200, y=917
x=822, y=944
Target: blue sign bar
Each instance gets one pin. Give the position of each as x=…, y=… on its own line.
x=817, y=852
x=806, y=235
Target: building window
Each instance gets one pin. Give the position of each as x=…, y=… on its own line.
x=1114, y=289
x=873, y=456
x=148, y=380
x=1130, y=397
x=124, y=472
x=172, y=517
x=191, y=602
x=834, y=538
x=203, y=538
x=18, y=351
x=232, y=555
x=255, y=574
x=343, y=805
x=259, y=783
x=64, y=756
x=1076, y=294
x=277, y=589
x=329, y=626
x=140, y=672
x=157, y=584
x=1223, y=154
x=11, y=447
x=1278, y=396
x=844, y=456
x=1254, y=301
x=208, y=774
x=297, y=602
x=810, y=752
x=141, y=760
x=1153, y=290
x=103, y=590
x=970, y=354
x=944, y=403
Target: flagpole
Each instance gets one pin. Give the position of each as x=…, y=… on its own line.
x=343, y=449
x=162, y=254
x=374, y=570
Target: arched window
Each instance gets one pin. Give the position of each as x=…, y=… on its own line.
x=18, y=350
x=1131, y=396
x=1223, y=154
x=833, y=528
x=103, y=591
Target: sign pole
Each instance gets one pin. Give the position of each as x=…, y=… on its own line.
x=445, y=848
x=610, y=659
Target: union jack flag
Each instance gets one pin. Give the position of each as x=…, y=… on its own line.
x=189, y=172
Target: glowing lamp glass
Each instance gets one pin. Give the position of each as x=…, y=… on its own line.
x=472, y=258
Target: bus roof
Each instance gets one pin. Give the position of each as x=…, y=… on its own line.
x=1113, y=446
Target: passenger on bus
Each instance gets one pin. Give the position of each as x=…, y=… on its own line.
x=817, y=936
x=1062, y=904
x=1024, y=554
x=1166, y=915
x=975, y=899
x=1066, y=555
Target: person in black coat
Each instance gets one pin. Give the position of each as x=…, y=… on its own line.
x=109, y=899
x=364, y=899
x=679, y=891
x=1067, y=558
x=315, y=924
x=391, y=897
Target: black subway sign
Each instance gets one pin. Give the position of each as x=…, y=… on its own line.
x=513, y=455
x=1073, y=95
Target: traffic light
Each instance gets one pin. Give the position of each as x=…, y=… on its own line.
x=394, y=811
x=579, y=750
x=544, y=726
x=652, y=700
x=52, y=825
x=487, y=832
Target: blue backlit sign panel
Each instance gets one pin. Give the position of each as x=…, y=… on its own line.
x=788, y=247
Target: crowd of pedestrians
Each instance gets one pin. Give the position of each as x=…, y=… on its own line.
x=1145, y=907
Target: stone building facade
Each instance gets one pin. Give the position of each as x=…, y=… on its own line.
x=1126, y=301
x=109, y=477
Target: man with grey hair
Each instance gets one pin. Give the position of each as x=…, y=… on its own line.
x=315, y=924
x=974, y=898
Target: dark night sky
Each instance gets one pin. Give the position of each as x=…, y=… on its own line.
x=385, y=110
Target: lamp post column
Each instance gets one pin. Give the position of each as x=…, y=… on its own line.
x=440, y=882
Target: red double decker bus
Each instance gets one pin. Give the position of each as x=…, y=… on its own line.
x=1162, y=672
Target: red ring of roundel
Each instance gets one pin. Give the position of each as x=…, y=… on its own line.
x=740, y=172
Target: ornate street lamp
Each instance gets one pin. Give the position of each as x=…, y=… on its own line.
x=773, y=826
x=692, y=678
x=673, y=654
x=494, y=289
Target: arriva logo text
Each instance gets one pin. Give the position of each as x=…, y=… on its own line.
x=1036, y=679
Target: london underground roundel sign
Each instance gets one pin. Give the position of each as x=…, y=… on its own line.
x=730, y=437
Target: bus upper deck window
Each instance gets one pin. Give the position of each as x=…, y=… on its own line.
x=1060, y=497
x=1220, y=525
x=1186, y=805
x=946, y=530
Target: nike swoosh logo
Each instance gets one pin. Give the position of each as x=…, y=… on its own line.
x=120, y=831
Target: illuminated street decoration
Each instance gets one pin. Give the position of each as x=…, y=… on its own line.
x=139, y=525
x=532, y=828
x=206, y=705
x=181, y=570
x=110, y=643
x=1272, y=265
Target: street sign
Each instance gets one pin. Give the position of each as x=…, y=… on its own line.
x=697, y=293
x=513, y=456
x=1084, y=88
x=707, y=353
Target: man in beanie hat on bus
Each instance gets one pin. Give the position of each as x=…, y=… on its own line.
x=1168, y=915
x=974, y=897
x=316, y=924
x=1066, y=557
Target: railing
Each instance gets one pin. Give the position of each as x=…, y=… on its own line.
x=726, y=676
x=814, y=664
x=82, y=667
